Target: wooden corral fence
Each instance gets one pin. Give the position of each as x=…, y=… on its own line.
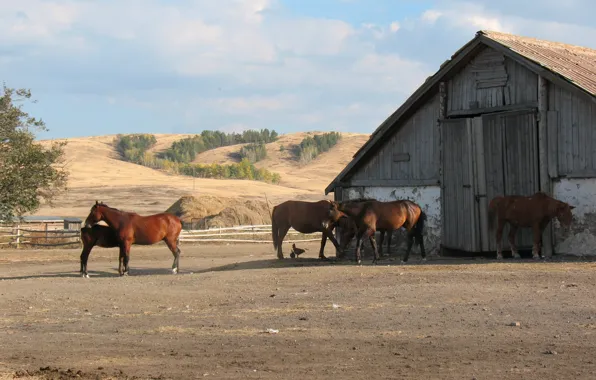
x=34, y=232
x=48, y=235
x=242, y=234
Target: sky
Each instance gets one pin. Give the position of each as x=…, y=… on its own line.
x=101, y=67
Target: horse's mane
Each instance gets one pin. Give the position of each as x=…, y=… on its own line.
x=114, y=208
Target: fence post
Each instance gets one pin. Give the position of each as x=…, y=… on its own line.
x=18, y=236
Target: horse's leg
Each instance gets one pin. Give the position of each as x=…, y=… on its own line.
x=84, y=259
x=124, y=258
x=282, y=231
x=329, y=235
x=420, y=240
x=381, y=239
x=499, y=237
x=173, y=246
x=373, y=242
x=409, y=248
x=537, y=247
x=543, y=225
x=512, y=233
x=322, y=250
x=359, y=242
x=389, y=234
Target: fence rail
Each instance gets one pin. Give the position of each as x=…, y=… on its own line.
x=19, y=237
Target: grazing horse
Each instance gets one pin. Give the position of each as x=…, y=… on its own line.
x=132, y=228
x=307, y=218
x=349, y=228
x=388, y=216
x=535, y=211
x=99, y=235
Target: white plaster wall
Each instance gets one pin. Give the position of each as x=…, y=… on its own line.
x=580, y=240
x=427, y=197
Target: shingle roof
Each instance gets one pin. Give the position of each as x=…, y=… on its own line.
x=576, y=63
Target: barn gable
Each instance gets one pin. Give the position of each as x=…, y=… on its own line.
x=506, y=70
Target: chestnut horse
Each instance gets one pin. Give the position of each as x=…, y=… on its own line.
x=388, y=216
x=307, y=218
x=132, y=228
x=535, y=211
x=349, y=229
x=99, y=235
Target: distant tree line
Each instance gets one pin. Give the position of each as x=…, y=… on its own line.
x=134, y=148
x=186, y=150
x=254, y=152
x=311, y=147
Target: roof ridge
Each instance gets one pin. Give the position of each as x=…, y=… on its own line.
x=495, y=35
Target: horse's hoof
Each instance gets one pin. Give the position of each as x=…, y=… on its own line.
x=423, y=260
x=403, y=262
x=359, y=262
x=84, y=275
x=324, y=258
x=175, y=270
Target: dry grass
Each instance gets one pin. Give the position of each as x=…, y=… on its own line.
x=97, y=173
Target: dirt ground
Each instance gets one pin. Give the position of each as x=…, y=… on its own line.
x=446, y=319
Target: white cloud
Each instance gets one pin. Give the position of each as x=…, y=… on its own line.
x=251, y=63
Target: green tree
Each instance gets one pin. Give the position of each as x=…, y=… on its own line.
x=29, y=172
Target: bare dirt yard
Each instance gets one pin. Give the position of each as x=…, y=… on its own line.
x=446, y=319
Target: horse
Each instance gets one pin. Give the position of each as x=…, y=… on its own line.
x=99, y=235
x=349, y=229
x=134, y=229
x=534, y=211
x=388, y=216
x=307, y=218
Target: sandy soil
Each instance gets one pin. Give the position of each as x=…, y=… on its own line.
x=447, y=319
x=96, y=173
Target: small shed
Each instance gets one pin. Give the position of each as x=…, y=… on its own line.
x=505, y=115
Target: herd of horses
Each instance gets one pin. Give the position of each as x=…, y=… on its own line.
x=360, y=218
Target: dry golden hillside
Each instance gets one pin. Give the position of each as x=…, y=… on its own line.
x=97, y=173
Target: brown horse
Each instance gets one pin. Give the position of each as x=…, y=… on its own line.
x=132, y=228
x=388, y=216
x=307, y=218
x=349, y=229
x=535, y=211
x=99, y=235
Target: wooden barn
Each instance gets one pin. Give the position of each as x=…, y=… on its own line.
x=505, y=115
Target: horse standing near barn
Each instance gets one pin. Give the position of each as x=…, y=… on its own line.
x=307, y=218
x=535, y=211
x=134, y=229
x=388, y=216
x=99, y=235
x=349, y=229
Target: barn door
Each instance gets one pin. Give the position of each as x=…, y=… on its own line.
x=511, y=164
x=459, y=214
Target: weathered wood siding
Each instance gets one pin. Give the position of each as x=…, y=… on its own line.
x=572, y=133
x=419, y=138
x=491, y=80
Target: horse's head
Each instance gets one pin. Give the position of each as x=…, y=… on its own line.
x=564, y=214
x=334, y=212
x=95, y=215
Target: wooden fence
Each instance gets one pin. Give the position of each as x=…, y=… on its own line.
x=19, y=236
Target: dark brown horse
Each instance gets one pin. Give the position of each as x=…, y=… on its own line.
x=132, y=228
x=307, y=218
x=99, y=235
x=349, y=229
x=535, y=211
x=388, y=216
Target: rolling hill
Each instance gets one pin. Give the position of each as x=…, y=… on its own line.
x=97, y=173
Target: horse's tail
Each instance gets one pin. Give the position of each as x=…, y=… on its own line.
x=274, y=228
x=419, y=226
x=492, y=208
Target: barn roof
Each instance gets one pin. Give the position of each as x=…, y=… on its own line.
x=563, y=64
